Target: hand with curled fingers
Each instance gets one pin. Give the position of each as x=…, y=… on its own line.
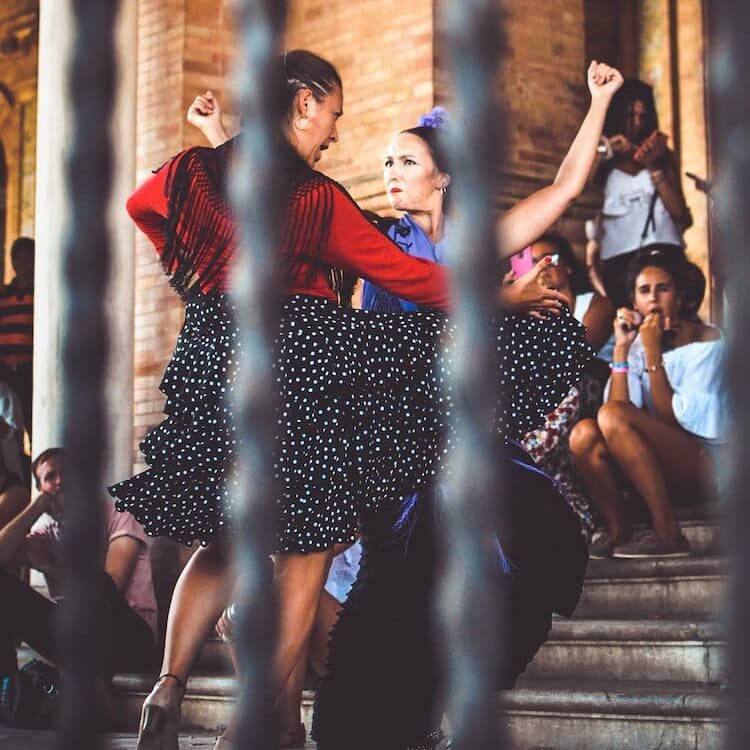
x=620, y=144
x=204, y=110
x=652, y=151
x=603, y=80
x=205, y=114
x=626, y=327
x=527, y=295
x=651, y=331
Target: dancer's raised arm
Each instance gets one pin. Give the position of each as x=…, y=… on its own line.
x=532, y=216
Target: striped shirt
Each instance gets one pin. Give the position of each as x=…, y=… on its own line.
x=16, y=326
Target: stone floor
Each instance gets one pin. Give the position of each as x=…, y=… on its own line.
x=20, y=739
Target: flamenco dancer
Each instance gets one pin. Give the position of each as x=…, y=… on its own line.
x=346, y=364
x=384, y=657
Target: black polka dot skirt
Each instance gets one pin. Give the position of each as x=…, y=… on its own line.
x=364, y=413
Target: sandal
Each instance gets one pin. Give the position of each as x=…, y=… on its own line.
x=160, y=718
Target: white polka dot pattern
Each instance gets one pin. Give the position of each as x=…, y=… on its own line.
x=363, y=416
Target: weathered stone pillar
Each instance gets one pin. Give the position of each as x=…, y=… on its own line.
x=52, y=201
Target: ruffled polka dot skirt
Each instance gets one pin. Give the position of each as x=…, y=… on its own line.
x=363, y=414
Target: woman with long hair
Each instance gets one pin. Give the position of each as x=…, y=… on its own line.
x=664, y=419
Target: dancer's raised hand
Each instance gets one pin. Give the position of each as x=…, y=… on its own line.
x=603, y=80
x=205, y=114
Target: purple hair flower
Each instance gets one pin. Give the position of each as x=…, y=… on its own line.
x=436, y=118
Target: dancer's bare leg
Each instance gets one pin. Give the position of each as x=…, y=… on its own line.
x=207, y=579
x=328, y=613
x=292, y=573
x=287, y=709
x=288, y=704
x=299, y=580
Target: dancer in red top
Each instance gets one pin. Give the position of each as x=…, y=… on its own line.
x=335, y=368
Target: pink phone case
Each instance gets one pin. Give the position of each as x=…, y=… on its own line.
x=522, y=262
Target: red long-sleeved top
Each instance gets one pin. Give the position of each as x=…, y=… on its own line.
x=353, y=244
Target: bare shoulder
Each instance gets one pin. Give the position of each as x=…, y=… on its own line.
x=709, y=333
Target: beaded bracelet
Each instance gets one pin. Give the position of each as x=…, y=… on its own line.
x=658, y=366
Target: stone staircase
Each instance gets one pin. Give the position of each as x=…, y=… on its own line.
x=639, y=667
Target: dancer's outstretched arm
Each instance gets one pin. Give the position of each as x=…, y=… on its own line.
x=531, y=217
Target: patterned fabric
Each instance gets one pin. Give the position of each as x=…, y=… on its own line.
x=548, y=445
x=336, y=369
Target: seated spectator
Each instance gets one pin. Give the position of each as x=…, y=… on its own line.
x=664, y=418
x=128, y=606
x=17, y=325
x=548, y=445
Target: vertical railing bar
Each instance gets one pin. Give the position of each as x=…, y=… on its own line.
x=468, y=606
x=255, y=190
x=86, y=263
x=730, y=131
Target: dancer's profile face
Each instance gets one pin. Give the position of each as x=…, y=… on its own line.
x=314, y=127
x=412, y=180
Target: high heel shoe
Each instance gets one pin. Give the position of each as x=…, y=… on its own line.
x=160, y=716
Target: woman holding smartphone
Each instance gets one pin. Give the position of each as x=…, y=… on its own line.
x=643, y=200
x=665, y=415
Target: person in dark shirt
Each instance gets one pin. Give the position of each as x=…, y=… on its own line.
x=17, y=326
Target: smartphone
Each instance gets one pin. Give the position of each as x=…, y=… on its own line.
x=522, y=262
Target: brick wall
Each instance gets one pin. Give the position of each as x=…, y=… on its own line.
x=182, y=51
x=386, y=53
x=19, y=24
x=383, y=50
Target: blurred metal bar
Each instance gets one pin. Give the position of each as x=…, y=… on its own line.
x=468, y=608
x=255, y=192
x=730, y=135
x=86, y=259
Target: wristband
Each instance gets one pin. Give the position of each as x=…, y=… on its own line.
x=620, y=364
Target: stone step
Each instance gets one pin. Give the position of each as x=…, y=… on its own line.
x=614, y=716
x=28, y=739
x=649, y=650
x=704, y=535
x=671, y=588
x=207, y=706
x=545, y=714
